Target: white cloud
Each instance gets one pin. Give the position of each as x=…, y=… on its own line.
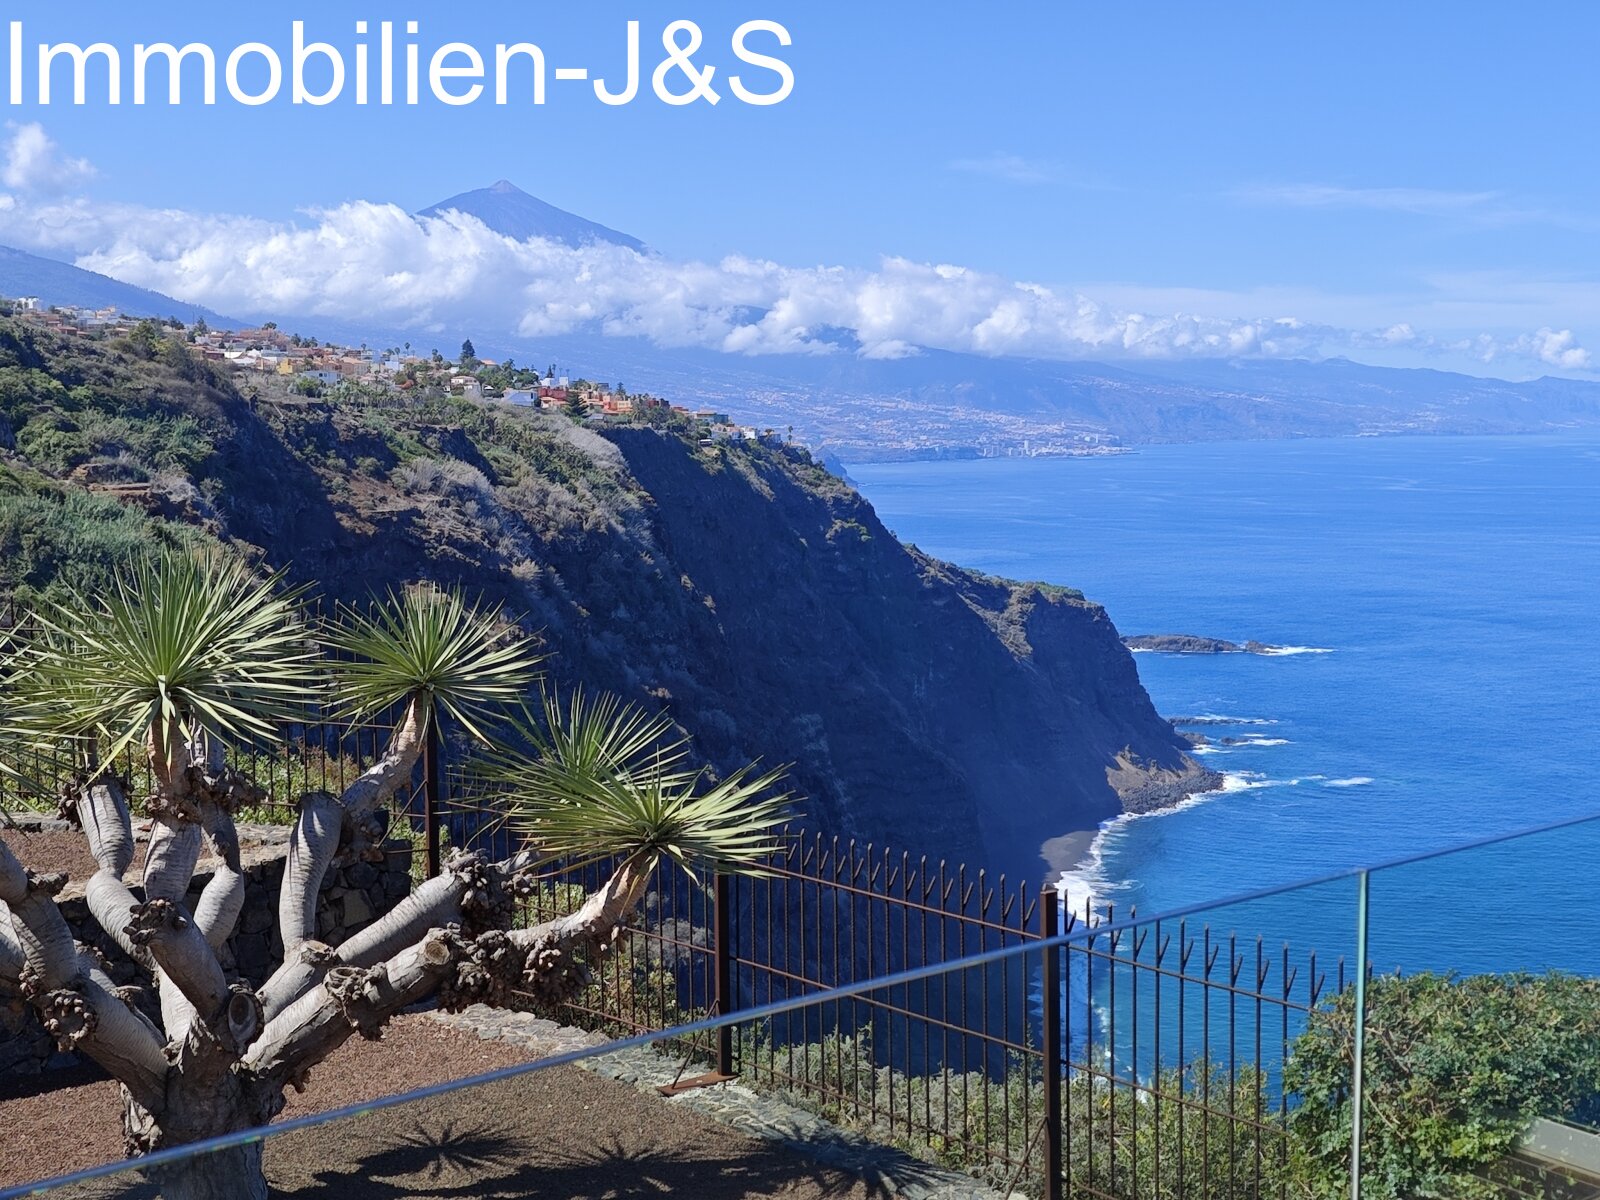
x=1490, y=209
x=1420, y=201
x=34, y=163
x=1012, y=168
x=390, y=269
x=1552, y=347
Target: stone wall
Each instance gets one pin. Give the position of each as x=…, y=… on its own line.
x=353, y=896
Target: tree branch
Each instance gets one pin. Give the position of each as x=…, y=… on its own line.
x=208, y=1052
x=440, y=901
x=102, y=810
x=323, y=822
x=222, y=899
x=111, y=904
x=178, y=1016
x=89, y=1017
x=552, y=961
x=348, y=1001
x=191, y=985
x=11, y=956
x=75, y=1005
x=558, y=955
x=170, y=858
x=13, y=877
x=312, y=845
x=46, y=942
x=174, y=942
x=437, y=903
x=381, y=780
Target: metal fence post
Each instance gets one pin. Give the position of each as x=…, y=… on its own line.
x=1050, y=926
x=722, y=990
x=1357, y=1080
x=722, y=920
x=430, y=793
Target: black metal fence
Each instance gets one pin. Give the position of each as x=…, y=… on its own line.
x=1167, y=1039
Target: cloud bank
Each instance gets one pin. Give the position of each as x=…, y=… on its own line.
x=391, y=269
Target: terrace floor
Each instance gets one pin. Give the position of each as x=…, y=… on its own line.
x=558, y=1133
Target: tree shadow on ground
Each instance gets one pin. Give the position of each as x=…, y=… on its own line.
x=439, y=1162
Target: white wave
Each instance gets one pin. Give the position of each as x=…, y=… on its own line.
x=1284, y=651
x=1250, y=781
x=1209, y=749
x=1078, y=891
x=1353, y=781
x=1246, y=781
x=1140, y=650
x=1085, y=887
x=1263, y=741
x=1082, y=888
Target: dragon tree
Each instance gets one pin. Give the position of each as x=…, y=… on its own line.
x=187, y=658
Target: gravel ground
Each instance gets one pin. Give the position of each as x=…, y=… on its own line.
x=67, y=850
x=46, y=851
x=560, y=1133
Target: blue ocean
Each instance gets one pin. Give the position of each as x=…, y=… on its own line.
x=1441, y=596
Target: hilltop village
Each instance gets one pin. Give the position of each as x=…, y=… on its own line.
x=308, y=367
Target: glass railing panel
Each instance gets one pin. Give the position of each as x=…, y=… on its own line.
x=1481, y=1067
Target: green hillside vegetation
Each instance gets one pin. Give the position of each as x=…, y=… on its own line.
x=139, y=419
x=129, y=411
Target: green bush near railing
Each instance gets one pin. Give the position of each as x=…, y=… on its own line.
x=1455, y=1071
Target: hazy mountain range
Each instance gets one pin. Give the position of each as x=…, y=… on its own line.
x=935, y=403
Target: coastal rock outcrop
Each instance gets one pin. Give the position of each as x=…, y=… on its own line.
x=1188, y=643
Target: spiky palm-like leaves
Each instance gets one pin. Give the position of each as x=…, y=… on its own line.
x=458, y=658
x=606, y=779
x=8, y=768
x=182, y=645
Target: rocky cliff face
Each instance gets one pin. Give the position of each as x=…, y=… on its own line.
x=753, y=593
x=923, y=707
x=927, y=707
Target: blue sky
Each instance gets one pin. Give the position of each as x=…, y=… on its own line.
x=1362, y=167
